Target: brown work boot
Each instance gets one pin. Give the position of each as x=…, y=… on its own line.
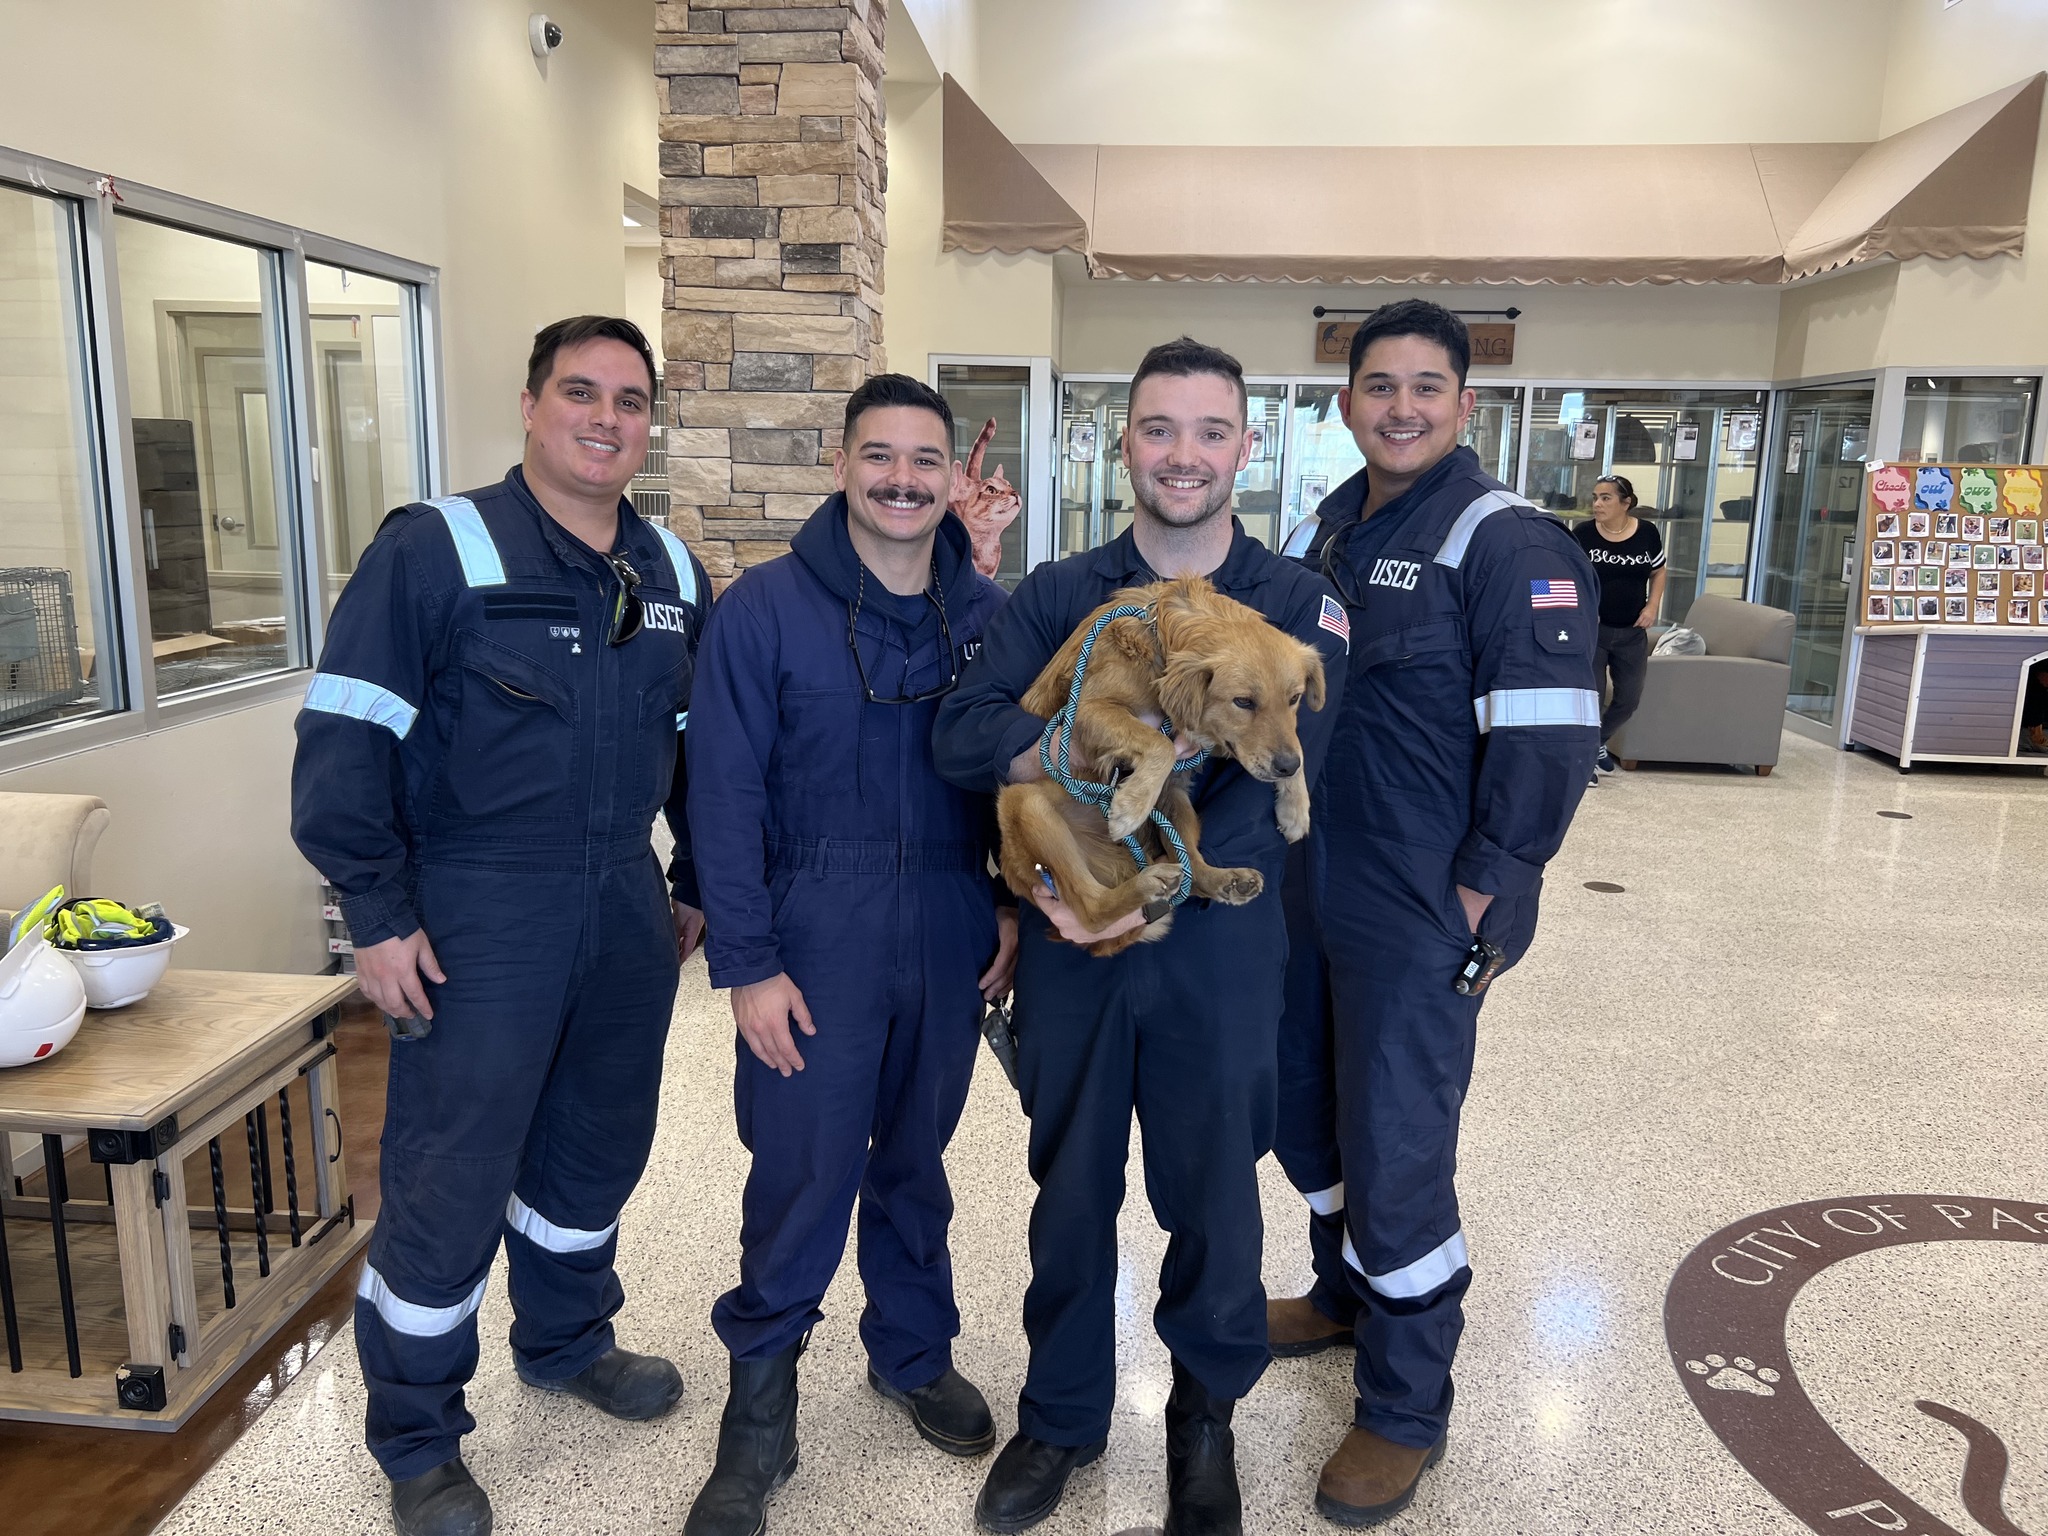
x=1370, y=1479
x=1294, y=1327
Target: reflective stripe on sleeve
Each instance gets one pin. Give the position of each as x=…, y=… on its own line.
x=1296, y=544
x=1506, y=707
x=402, y=1316
x=683, y=721
x=334, y=694
x=1433, y=1269
x=1327, y=1202
x=542, y=1233
x=481, y=566
x=1455, y=542
x=679, y=557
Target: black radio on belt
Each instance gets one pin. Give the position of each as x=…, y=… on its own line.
x=1482, y=963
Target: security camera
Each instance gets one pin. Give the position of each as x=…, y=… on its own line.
x=543, y=34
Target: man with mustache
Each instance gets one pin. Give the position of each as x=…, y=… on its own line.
x=1181, y=1032
x=483, y=749
x=852, y=913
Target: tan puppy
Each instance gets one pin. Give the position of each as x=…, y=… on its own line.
x=1227, y=680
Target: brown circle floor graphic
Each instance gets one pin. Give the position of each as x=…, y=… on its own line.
x=1724, y=1319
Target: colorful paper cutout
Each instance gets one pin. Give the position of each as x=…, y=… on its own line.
x=1980, y=491
x=2023, y=492
x=1891, y=488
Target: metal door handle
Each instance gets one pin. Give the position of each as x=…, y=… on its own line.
x=228, y=523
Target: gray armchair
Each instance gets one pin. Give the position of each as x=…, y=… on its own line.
x=1727, y=706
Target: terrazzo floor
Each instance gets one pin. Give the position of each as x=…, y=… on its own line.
x=1794, y=998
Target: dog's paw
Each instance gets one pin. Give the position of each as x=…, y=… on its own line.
x=1291, y=812
x=1128, y=810
x=1157, y=882
x=1293, y=822
x=1234, y=887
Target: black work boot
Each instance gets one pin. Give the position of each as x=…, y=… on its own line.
x=1201, y=1461
x=442, y=1502
x=756, y=1449
x=949, y=1411
x=1027, y=1481
x=623, y=1384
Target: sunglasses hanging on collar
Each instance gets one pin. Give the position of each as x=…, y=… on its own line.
x=935, y=595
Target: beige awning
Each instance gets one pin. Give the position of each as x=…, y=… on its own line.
x=1698, y=213
x=1955, y=185
x=995, y=199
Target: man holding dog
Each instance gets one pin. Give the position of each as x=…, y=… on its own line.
x=851, y=912
x=1181, y=1031
x=1465, y=738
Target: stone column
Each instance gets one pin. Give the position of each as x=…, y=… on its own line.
x=772, y=175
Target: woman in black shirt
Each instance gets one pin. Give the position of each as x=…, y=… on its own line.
x=1628, y=557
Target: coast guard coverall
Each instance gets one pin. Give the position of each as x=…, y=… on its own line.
x=830, y=849
x=1182, y=1030
x=476, y=761
x=1466, y=736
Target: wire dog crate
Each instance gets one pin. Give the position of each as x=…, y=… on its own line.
x=39, y=661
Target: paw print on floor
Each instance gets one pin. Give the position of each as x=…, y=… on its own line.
x=1740, y=1375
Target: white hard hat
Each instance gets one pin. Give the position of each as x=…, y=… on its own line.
x=115, y=978
x=41, y=1001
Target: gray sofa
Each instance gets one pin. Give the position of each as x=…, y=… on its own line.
x=1727, y=706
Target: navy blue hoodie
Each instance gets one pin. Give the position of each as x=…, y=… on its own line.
x=794, y=773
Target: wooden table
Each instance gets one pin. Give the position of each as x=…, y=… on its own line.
x=113, y=1316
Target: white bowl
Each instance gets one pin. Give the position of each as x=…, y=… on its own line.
x=115, y=978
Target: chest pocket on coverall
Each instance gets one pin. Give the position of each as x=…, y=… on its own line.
x=512, y=747
x=660, y=702
x=820, y=728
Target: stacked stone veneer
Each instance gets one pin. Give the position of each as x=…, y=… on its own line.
x=772, y=174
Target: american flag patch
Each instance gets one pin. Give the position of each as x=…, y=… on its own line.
x=1553, y=594
x=1335, y=620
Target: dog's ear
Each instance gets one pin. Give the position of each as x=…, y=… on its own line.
x=1184, y=690
x=1312, y=693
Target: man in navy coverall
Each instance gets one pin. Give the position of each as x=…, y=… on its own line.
x=482, y=752
x=1465, y=738
x=847, y=890
x=1182, y=1030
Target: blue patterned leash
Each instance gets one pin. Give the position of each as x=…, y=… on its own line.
x=1100, y=795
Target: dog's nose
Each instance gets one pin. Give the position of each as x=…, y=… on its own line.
x=1286, y=764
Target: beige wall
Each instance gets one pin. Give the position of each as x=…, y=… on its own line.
x=425, y=130
x=202, y=823
x=1567, y=333
x=643, y=292
x=1409, y=72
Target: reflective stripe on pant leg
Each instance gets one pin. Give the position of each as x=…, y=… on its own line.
x=1426, y=1274
x=538, y=1230
x=409, y=1317
x=592, y=1129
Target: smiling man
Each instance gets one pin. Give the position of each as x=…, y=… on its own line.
x=852, y=914
x=1465, y=738
x=1179, y=1032
x=491, y=731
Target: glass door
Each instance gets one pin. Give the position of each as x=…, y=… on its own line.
x=978, y=392
x=1818, y=448
x=1692, y=456
x=1323, y=455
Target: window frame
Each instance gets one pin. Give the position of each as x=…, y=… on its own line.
x=93, y=198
